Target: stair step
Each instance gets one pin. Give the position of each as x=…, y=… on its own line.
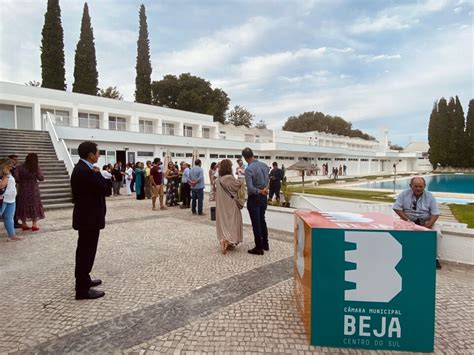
x=57, y=206
x=56, y=200
x=53, y=196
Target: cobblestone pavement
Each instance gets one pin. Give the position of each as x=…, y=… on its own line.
x=168, y=289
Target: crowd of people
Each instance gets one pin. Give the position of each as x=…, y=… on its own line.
x=20, y=198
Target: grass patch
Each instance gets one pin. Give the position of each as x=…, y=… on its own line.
x=353, y=194
x=464, y=213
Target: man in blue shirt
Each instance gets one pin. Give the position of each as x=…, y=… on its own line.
x=256, y=178
x=196, y=180
x=418, y=206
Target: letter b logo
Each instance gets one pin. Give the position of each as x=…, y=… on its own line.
x=375, y=276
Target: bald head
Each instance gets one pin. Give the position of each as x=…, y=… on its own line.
x=417, y=185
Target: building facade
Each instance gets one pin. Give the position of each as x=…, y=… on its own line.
x=131, y=132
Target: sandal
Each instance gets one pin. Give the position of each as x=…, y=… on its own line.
x=25, y=228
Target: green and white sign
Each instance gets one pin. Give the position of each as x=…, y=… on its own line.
x=373, y=289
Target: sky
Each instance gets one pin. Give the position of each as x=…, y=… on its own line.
x=378, y=64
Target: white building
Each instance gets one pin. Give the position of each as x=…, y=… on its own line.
x=129, y=132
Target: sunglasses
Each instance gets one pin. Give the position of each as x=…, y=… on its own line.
x=414, y=206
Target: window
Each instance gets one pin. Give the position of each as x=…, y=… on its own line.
x=187, y=131
x=230, y=156
x=222, y=156
x=189, y=155
x=206, y=132
x=145, y=126
x=117, y=123
x=202, y=155
x=88, y=120
x=7, y=116
x=61, y=118
x=179, y=155
x=145, y=154
x=257, y=139
x=73, y=151
x=222, y=134
x=168, y=128
x=102, y=152
x=238, y=156
x=364, y=160
x=249, y=138
x=24, y=117
x=213, y=156
x=267, y=157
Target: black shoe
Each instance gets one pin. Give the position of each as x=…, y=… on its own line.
x=438, y=265
x=255, y=251
x=89, y=295
x=17, y=225
x=95, y=283
x=266, y=248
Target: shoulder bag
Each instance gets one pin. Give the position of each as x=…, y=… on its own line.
x=240, y=203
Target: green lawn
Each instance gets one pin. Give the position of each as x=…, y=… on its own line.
x=353, y=194
x=464, y=213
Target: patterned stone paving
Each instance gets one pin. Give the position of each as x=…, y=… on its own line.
x=168, y=289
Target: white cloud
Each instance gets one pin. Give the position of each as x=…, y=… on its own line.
x=375, y=58
x=407, y=92
x=398, y=17
x=216, y=50
x=258, y=70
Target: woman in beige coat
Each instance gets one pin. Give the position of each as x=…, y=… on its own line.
x=228, y=216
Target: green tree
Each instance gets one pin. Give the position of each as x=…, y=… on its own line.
x=433, y=136
x=143, y=67
x=261, y=124
x=240, y=116
x=318, y=121
x=53, y=74
x=111, y=92
x=456, y=154
x=438, y=137
x=469, y=135
x=190, y=93
x=85, y=63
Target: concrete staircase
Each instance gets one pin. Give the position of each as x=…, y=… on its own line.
x=445, y=214
x=55, y=189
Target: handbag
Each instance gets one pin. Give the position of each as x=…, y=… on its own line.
x=239, y=202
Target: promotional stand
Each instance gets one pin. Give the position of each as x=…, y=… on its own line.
x=365, y=281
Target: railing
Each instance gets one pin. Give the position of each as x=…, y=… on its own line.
x=94, y=123
x=59, y=144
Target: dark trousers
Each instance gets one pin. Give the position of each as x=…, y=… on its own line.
x=257, y=205
x=274, y=190
x=197, y=196
x=186, y=194
x=85, y=256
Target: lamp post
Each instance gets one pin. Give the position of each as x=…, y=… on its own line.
x=394, y=176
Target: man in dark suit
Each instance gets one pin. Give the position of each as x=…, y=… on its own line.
x=89, y=189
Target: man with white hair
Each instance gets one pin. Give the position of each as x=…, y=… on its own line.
x=419, y=206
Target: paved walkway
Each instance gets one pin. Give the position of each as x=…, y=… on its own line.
x=168, y=289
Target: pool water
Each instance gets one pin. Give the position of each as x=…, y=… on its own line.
x=436, y=183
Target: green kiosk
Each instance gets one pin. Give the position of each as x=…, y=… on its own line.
x=365, y=281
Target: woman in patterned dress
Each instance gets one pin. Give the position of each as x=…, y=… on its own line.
x=29, y=197
x=172, y=177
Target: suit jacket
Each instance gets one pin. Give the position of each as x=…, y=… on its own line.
x=88, y=192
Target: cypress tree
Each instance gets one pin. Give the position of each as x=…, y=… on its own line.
x=143, y=67
x=433, y=136
x=53, y=74
x=85, y=63
x=458, y=139
x=469, y=134
x=443, y=129
x=451, y=133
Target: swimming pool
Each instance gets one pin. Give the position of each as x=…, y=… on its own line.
x=463, y=184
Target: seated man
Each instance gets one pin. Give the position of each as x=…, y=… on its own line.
x=419, y=206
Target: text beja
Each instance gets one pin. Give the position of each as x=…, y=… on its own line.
x=362, y=324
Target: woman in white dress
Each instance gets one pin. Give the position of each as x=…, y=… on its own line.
x=128, y=178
